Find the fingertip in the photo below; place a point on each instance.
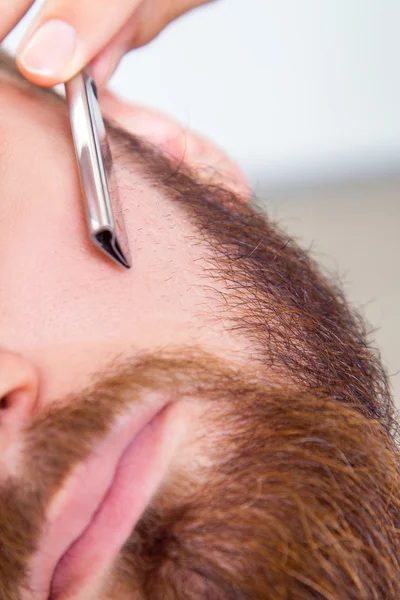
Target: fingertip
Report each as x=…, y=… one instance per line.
x=35, y=78
x=46, y=54
x=103, y=67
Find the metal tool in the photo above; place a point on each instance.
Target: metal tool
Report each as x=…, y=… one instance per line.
x=100, y=192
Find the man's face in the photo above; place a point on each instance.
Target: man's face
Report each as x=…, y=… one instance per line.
x=68, y=309
x=155, y=431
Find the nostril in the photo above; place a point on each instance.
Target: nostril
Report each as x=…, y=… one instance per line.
x=8, y=400
x=19, y=386
x=14, y=401
x=14, y=412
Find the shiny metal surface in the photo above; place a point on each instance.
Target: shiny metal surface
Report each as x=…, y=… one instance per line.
x=100, y=192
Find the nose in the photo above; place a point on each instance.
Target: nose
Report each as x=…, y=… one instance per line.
x=19, y=384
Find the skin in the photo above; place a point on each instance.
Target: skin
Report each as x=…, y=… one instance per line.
x=225, y=323
x=119, y=27
x=83, y=311
x=238, y=474
x=97, y=310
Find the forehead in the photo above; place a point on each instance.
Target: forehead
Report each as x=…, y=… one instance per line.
x=36, y=154
x=30, y=120
x=62, y=304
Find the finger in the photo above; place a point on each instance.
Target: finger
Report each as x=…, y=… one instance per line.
x=154, y=15
x=137, y=31
x=11, y=14
x=148, y=20
x=67, y=34
x=104, y=64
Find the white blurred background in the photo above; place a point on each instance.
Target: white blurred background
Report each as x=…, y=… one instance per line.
x=305, y=95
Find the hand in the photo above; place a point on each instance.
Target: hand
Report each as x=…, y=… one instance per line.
x=78, y=32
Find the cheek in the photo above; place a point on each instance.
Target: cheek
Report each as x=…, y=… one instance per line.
x=64, y=305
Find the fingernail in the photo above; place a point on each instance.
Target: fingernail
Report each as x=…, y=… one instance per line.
x=50, y=49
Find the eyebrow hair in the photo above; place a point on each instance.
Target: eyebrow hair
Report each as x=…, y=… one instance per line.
x=155, y=165
x=299, y=323
x=300, y=326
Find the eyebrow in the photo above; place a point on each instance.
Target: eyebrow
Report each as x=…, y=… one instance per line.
x=275, y=293
x=154, y=165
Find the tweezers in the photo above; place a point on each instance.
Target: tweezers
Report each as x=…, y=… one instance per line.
x=100, y=192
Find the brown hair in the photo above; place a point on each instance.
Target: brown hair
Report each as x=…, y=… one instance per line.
x=303, y=497
x=302, y=502
x=306, y=502
x=300, y=323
